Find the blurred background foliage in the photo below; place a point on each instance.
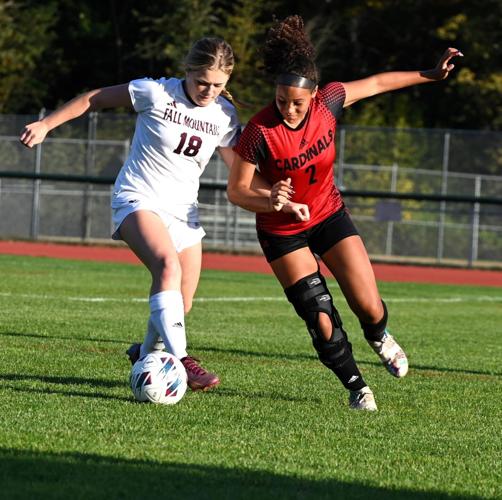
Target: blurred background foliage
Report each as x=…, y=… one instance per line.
x=53, y=50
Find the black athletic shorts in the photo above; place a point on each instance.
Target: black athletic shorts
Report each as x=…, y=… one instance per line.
x=319, y=238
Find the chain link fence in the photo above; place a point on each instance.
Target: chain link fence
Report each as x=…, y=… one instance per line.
x=414, y=161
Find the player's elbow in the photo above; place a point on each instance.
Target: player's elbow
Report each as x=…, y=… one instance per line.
x=233, y=193
x=237, y=193
x=94, y=99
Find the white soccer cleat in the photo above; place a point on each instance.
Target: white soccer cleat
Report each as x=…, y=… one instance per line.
x=363, y=399
x=391, y=355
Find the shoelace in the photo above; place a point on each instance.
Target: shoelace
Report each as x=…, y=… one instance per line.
x=191, y=364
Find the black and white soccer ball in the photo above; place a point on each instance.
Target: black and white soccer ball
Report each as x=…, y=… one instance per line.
x=159, y=377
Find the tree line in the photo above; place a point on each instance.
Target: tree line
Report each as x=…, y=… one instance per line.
x=53, y=50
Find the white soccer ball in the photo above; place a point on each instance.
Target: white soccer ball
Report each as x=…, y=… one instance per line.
x=158, y=377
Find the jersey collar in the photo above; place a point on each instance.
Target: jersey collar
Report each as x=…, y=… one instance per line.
x=187, y=95
x=299, y=126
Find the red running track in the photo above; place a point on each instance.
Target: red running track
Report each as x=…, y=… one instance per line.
x=256, y=264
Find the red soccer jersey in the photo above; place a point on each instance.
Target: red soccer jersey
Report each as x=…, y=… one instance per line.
x=306, y=154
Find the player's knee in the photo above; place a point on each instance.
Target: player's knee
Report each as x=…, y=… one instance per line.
x=313, y=303
x=167, y=271
x=369, y=310
x=375, y=327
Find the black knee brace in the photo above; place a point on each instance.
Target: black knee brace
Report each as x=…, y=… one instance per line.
x=375, y=331
x=310, y=297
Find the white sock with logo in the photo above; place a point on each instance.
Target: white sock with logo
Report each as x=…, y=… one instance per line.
x=168, y=319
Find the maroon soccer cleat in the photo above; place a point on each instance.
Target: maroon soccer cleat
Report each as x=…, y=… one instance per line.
x=198, y=378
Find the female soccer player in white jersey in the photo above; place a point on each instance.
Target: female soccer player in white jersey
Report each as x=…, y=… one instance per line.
x=180, y=123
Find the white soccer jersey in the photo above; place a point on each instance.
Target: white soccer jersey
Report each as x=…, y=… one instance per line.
x=172, y=144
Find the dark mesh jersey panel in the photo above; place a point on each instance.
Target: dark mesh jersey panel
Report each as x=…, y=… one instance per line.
x=333, y=95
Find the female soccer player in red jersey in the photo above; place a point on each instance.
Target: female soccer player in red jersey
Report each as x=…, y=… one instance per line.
x=292, y=141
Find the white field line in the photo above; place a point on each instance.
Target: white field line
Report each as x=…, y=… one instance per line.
x=445, y=300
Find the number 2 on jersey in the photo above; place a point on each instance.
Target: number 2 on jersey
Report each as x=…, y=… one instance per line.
x=311, y=168
x=194, y=144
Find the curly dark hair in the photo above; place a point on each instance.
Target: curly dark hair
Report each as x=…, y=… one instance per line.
x=288, y=49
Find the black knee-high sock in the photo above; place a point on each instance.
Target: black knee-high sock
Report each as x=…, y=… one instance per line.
x=336, y=354
x=376, y=331
x=349, y=375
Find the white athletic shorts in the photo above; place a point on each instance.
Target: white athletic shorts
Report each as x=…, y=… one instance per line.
x=183, y=234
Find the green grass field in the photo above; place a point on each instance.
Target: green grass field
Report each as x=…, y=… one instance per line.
x=278, y=426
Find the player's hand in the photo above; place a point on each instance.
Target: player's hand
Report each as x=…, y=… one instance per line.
x=281, y=193
x=444, y=66
x=33, y=134
x=299, y=210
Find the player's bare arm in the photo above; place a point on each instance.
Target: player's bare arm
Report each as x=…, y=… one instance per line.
x=108, y=97
x=258, y=183
x=239, y=188
x=393, y=80
x=241, y=192
x=227, y=155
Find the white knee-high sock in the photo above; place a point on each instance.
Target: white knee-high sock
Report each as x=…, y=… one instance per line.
x=168, y=318
x=152, y=341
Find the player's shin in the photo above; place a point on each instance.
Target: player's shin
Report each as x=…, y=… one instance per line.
x=311, y=298
x=168, y=319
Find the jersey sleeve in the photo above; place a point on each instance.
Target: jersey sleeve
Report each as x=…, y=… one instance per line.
x=233, y=133
x=144, y=92
x=250, y=143
x=333, y=95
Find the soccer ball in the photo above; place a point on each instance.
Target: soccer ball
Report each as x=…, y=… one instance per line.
x=158, y=377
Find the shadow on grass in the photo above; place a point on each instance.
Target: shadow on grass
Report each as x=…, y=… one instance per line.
x=81, y=394
x=61, y=337
x=64, y=381
x=93, y=383
x=270, y=355
x=26, y=474
x=305, y=357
